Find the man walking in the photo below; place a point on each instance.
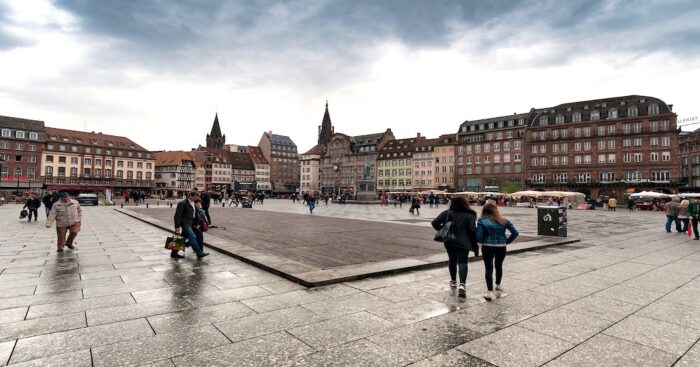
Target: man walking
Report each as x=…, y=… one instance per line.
x=206, y=202
x=49, y=199
x=672, y=214
x=32, y=205
x=67, y=214
x=693, y=214
x=184, y=220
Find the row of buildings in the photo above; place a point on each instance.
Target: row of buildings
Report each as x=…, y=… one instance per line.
x=602, y=147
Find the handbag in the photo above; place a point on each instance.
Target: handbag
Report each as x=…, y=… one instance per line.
x=23, y=214
x=175, y=243
x=446, y=233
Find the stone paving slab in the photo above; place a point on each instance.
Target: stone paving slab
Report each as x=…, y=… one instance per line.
x=327, y=250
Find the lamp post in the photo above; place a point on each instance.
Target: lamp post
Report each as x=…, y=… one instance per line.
x=2, y=159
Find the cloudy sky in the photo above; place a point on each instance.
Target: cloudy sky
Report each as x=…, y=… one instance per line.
x=158, y=70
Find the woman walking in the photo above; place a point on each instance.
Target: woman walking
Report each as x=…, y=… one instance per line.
x=463, y=220
x=491, y=232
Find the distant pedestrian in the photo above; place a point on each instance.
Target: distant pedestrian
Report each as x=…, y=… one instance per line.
x=672, y=214
x=630, y=204
x=311, y=202
x=683, y=215
x=32, y=205
x=184, y=218
x=612, y=204
x=694, y=214
x=415, y=206
x=491, y=232
x=206, y=203
x=48, y=200
x=463, y=220
x=326, y=198
x=68, y=215
x=200, y=224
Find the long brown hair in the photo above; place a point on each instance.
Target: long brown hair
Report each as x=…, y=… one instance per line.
x=491, y=210
x=460, y=204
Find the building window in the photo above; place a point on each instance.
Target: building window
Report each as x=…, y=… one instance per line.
x=49, y=159
x=34, y=136
x=543, y=120
x=660, y=176
x=576, y=117
x=6, y=133
x=48, y=171
x=607, y=176
x=654, y=157
x=560, y=119
x=74, y=172
x=612, y=113
x=19, y=134
x=632, y=111
x=653, y=109
x=595, y=115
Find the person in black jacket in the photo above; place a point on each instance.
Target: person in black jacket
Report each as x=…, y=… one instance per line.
x=206, y=202
x=463, y=220
x=49, y=199
x=32, y=205
x=184, y=221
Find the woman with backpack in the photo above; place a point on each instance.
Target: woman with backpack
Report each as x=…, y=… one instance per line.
x=491, y=232
x=463, y=220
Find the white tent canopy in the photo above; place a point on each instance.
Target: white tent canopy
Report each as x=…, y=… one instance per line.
x=650, y=195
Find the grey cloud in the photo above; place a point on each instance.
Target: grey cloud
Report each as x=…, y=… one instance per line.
x=322, y=43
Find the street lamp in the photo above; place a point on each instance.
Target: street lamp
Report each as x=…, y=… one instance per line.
x=2, y=159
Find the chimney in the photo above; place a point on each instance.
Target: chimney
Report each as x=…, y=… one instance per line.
x=418, y=135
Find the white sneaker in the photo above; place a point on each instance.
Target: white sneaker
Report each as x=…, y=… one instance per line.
x=453, y=284
x=489, y=296
x=498, y=287
x=462, y=290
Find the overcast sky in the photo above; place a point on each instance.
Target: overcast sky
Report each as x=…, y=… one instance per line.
x=157, y=71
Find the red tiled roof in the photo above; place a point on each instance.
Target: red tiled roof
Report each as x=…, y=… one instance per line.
x=91, y=139
x=317, y=150
x=174, y=158
x=256, y=155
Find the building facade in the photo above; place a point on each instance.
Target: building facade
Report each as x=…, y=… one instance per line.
x=282, y=154
x=604, y=147
x=262, y=168
x=21, y=145
x=242, y=172
x=175, y=173
x=343, y=162
x=310, y=162
x=423, y=165
x=395, y=165
x=489, y=154
x=78, y=161
x=689, y=152
x=444, y=154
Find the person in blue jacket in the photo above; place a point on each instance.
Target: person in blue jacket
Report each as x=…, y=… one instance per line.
x=491, y=232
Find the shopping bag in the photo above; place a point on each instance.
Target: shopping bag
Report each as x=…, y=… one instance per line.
x=175, y=243
x=23, y=214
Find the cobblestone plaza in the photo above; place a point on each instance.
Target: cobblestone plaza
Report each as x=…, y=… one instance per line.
x=627, y=294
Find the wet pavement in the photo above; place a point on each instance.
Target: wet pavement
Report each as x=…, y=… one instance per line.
x=627, y=295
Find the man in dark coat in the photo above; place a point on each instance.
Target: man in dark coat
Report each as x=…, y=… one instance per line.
x=49, y=199
x=206, y=202
x=32, y=205
x=184, y=220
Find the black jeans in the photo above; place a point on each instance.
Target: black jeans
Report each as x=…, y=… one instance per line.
x=33, y=212
x=457, y=257
x=493, y=254
x=695, y=227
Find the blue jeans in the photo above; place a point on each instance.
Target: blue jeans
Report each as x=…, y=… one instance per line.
x=195, y=237
x=312, y=205
x=670, y=219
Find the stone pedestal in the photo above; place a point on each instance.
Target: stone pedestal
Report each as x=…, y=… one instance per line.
x=366, y=190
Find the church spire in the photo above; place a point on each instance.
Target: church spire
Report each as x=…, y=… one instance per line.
x=326, y=129
x=215, y=139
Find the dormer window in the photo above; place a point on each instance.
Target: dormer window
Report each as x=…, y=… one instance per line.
x=632, y=111
x=612, y=113
x=653, y=109
x=595, y=115
x=543, y=120
x=560, y=119
x=576, y=117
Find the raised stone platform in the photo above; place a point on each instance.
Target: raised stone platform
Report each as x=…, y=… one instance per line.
x=315, y=250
